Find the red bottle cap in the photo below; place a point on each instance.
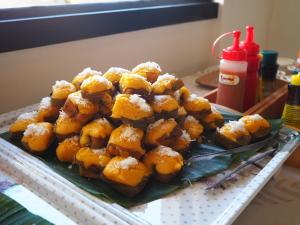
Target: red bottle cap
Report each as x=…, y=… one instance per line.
x=234, y=52
x=249, y=45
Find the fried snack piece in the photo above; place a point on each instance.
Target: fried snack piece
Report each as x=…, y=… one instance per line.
x=181, y=143
x=233, y=135
x=106, y=104
x=182, y=94
x=66, y=126
x=135, y=84
x=91, y=162
x=96, y=133
x=60, y=91
x=197, y=106
x=257, y=126
x=212, y=120
x=83, y=75
x=126, y=175
x=164, y=106
x=162, y=132
x=164, y=163
x=17, y=128
x=182, y=113
x=80, y=108
x=166, y=85
x=47, y=112
x=126, y=141
x=149, y=70
x=67, y=149
x=114, y=75
x=193, y=127
x=94, y=87
x=132, y=110
x=38, y=137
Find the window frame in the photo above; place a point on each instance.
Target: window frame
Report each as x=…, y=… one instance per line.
x=29, y=27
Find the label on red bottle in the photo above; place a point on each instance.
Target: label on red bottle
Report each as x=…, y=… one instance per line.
x=229, y=79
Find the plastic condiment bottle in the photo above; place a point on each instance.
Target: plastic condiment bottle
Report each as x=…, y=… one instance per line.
x=298, y=61
x=233, y=70
x=259, y=95
x=269, y=69
x=291, y=112
x=252, y=50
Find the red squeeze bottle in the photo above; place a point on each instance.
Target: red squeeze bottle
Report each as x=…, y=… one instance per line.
x=252, y=50
x=233, y=69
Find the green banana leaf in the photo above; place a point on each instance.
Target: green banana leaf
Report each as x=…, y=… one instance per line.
x=12, y=212
x=153, y=190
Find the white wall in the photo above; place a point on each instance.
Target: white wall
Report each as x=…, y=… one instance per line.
x=284, y=32
x=27, y=75
x=237, y=14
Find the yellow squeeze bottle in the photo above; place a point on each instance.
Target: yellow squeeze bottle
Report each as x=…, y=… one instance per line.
x=291, y=112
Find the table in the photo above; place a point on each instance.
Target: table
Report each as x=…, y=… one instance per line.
x=192, y=205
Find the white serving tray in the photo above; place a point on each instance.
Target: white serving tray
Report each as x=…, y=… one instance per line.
x=192, y=205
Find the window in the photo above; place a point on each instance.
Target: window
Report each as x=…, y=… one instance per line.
x=28, y=27
x=29, y=3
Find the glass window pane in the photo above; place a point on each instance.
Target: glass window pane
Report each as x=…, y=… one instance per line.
x=26, y=3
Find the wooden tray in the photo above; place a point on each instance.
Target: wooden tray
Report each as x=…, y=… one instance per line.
x=209, y=79
x=270, y=107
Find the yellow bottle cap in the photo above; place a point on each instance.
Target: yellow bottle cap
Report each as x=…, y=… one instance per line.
x=295, y=80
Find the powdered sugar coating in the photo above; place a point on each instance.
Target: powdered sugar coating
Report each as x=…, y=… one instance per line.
x=77, y=99
x=87, y=71
x=177, y=95
x=191, y=119
x=185, y=135
x=101, y=79
x=35, y=129
x=160, y=99
x=74, y=139
x=62, y=84
x=28, y=115
x=140, y=102
x=194, y=97
x=127, y=163
x=117, y=70
x=147, y=65
x=165, y=77
x=99, y=151
x=155, y=124
x=102, y=121
x=98, y=79
x=63, y=115
x=45, y=103
x=166, y=151
x=129, y=134
x=256, y=117
x=236, y=126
